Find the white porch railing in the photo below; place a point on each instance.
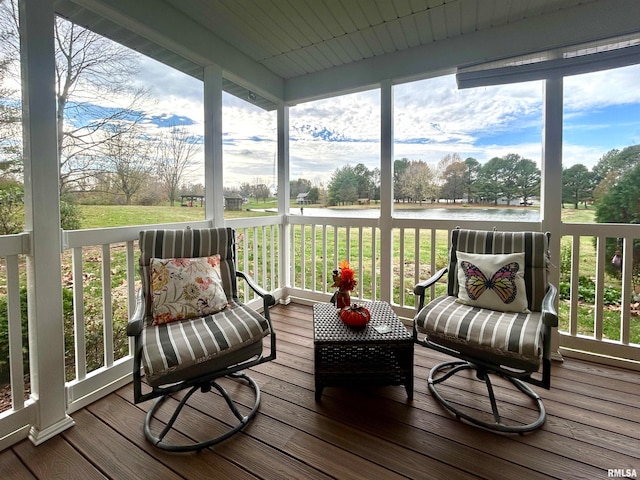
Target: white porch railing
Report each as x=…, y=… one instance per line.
x=608, y=333
x=294, y=257
x=14, y=421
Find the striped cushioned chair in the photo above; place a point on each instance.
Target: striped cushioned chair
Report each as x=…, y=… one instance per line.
x=511, y=345
x=193, y=353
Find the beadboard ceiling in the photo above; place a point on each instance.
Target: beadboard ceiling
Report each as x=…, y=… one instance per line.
x=292, y=50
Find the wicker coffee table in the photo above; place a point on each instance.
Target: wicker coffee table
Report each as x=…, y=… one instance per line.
x=346, y=356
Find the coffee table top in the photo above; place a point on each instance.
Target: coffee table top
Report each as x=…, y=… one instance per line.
x=327, y=326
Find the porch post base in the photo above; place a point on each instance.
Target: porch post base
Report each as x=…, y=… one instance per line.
x=39, y=436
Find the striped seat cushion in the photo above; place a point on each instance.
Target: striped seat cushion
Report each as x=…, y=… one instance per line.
x=505, y=338
x=189, y=348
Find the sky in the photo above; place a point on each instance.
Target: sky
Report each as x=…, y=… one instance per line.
x=432, y=119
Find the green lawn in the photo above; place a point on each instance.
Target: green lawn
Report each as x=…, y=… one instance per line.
x=105, y=216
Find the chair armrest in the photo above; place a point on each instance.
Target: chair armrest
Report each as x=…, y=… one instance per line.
x=549, y=314
x=268, y=299
x=136, y=322
x=421, y=287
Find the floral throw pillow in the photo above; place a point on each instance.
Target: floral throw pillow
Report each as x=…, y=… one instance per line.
x=183, y=288
x=493, y=281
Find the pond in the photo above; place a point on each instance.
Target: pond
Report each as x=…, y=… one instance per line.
x=497, y=214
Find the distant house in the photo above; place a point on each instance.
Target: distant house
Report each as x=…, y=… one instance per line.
x=233, y=201
x=301, y=199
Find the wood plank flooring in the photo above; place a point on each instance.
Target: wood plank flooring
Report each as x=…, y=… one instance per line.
x=593, y=425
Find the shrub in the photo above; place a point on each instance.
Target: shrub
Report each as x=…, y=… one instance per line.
x=11, y=209
x=4, y=335
x=587, y=291
x=70, y=216
x=67, y=305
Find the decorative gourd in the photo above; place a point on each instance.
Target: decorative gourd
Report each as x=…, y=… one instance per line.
x=355, y=316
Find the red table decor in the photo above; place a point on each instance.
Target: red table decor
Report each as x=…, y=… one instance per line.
x=344, y=280
x=355, y=316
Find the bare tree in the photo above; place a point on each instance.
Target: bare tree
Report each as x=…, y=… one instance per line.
x=89, y=68
x=443, y=164
x=176, y=150
x=261, y=191
x=10, y=138
x=9, y=128
x=127, y=157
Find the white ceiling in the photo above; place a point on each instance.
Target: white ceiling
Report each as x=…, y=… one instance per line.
x=294, y=50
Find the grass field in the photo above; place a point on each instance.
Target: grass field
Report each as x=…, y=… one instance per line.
x=104, y=216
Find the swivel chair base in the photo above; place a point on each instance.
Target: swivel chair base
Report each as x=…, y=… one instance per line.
x=482, y=374
x=243, y=420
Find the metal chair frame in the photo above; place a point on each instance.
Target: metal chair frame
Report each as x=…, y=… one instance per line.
x=483, y=369
x=203, y=383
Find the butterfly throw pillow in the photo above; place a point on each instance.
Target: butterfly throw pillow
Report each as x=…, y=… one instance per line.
x=492, y=281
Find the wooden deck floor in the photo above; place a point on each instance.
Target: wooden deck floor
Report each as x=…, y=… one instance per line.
x=593, y=425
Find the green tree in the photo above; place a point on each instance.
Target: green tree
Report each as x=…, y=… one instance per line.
x=365, y=180
x=527, y=179
x=70, y=216
x=343, y=186
x=577, y=184
x=454, y=181
x=509, y=173
x=492, y=180
x=617, y=162
x=621, y=204
x=11, y=208
x=314, y=195
x=611, y=166
x=399, y=167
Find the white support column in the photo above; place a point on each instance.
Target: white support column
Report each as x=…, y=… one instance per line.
x=284, y=202
x=551, y=188
x=213, y=166
x=386, y=190
x=42, y=220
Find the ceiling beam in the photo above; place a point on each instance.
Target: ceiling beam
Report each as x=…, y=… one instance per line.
x=585, y=22
x=162, y=24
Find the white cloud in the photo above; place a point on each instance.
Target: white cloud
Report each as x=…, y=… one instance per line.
x=587, y=92
x=432, y=119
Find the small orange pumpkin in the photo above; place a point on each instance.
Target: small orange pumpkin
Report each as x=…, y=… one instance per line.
x=355, y=316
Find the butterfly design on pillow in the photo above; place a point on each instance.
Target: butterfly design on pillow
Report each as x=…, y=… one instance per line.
x=501, y=282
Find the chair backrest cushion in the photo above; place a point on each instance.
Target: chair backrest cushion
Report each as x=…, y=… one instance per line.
x=188, y=243
x=535, y=246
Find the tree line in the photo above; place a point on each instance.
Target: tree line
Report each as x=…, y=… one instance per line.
x=500, y=180
x=581, y=185
x=613, y=186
